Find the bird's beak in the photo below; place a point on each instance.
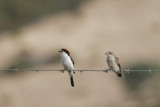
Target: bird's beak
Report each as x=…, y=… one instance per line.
x=60, y=51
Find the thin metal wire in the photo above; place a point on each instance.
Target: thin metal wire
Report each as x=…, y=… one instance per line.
x=61, y=70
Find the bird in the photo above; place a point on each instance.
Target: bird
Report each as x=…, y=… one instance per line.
x=68, y=63
x=113, y=63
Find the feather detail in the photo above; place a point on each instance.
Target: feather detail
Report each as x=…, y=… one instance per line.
x=117, y=62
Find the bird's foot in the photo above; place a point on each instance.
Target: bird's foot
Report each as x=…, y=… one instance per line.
x=107, y=70
x=62, y=70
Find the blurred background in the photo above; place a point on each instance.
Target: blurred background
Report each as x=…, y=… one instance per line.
x=32, y=32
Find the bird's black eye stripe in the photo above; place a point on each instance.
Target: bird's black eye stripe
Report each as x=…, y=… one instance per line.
x=64, y=50
x=110, y=53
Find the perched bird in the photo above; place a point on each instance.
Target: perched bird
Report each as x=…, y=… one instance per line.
x=113, y=63
x=67, y=63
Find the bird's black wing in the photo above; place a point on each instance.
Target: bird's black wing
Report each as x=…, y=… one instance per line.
x=117, y=62
x=72, y=60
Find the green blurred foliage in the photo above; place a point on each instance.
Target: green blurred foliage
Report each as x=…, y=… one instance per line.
x=134, y=79
x=20, y=64
x=24, y=61
x=16, y=13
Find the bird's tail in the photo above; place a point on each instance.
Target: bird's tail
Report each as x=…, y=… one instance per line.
x=71, y=77
x=72, y=81
x=119, y=74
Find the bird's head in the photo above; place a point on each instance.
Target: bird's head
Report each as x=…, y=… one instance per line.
x=108, y=53
x=65, y=51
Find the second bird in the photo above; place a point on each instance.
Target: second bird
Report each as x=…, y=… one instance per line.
x=67, y=63
x=113, y=63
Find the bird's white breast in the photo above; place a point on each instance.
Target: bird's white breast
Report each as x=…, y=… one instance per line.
x=112, y=63
x=66, y=61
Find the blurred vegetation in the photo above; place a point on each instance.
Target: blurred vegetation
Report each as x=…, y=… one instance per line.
x=134, y=79
x=22, y=62
x=17, y=13
x=25, y=61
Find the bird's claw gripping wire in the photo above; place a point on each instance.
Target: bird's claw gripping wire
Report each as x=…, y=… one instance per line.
x=62, y=71
x=107, y=70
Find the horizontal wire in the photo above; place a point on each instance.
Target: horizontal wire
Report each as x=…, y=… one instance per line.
x=61, y=70
x=46, y=70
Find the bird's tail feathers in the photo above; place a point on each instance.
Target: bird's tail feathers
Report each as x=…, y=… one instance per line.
x=119, y=74
x=71, y=77
x=72, y=81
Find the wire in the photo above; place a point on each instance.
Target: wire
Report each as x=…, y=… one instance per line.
x=61, y=70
